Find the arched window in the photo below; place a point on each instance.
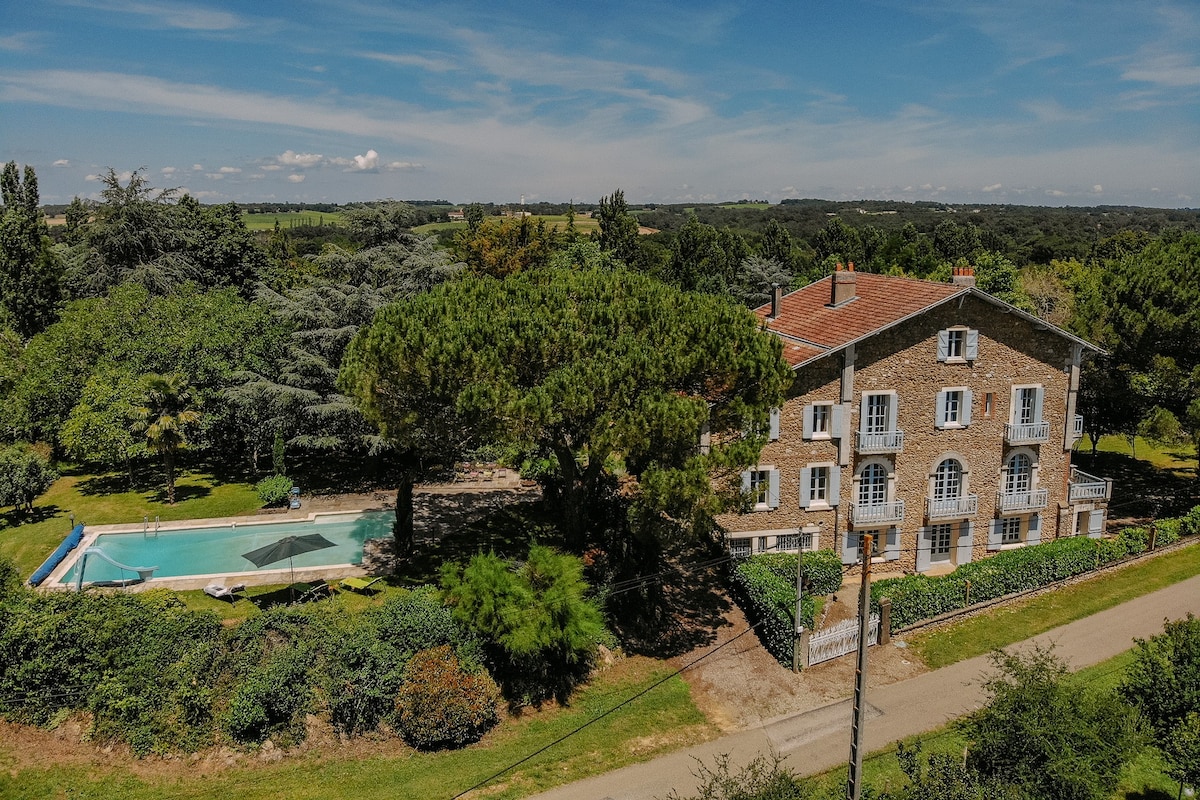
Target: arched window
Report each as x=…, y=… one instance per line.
x=872, y=485
x=948, y=480
x=1019, y=477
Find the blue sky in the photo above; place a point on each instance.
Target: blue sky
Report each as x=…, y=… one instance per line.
x=1038, y=103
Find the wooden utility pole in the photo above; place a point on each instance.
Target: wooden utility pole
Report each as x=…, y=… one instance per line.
x=854, y=784
x=798, y=637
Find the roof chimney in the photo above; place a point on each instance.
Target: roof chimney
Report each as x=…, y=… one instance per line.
x=963, y=276
x=842, y=286
x=776, y=300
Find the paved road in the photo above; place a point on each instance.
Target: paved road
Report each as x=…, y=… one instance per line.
x=817, y=740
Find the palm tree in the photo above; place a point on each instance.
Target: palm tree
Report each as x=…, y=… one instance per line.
x=164, y=418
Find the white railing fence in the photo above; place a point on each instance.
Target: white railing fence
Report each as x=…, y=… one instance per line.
x=839, y=639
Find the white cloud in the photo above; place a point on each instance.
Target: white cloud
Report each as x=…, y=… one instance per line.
x=1097, y=188
x=230, y=170
x=995, y=187
x=197, y=167
x=17, y=42
x=410, y=60
x=403, y=166
x=168, y=170
x=62, y=162
x=370, y=161
x=271, y=167
x=290, y=158
x=213, y=176
x=296, y=178
x=170, y=15
x=1056, y=193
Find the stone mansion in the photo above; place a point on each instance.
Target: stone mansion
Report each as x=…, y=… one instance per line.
x=933, y=416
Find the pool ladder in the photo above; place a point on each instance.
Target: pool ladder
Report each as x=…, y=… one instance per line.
x=146, y=527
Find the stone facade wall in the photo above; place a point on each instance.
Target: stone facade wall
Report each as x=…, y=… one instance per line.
x=903, y=359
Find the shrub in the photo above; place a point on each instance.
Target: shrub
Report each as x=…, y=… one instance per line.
x=766, y=585
x=274, y=490
x=1168, y=531
x=443, y=705
x=1190, y=522
x=271, y=700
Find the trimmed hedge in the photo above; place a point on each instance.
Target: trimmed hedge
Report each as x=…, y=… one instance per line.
x=918, y=597
x=766, y=586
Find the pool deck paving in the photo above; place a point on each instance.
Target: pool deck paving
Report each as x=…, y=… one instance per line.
x=818, y=739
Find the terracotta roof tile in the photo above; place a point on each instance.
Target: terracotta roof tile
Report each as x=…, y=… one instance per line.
x=809, y=326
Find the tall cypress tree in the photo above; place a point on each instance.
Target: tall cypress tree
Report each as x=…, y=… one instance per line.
x=30, y=273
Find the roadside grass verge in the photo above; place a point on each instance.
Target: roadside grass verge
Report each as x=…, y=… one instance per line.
x=663, y=720
x=1144, y=778
x=107, y=499
x=1017, y=621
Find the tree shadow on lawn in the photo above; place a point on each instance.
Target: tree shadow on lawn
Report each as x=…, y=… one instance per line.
x=183, y=492
x=108, y=483
x=1139, y=488
x=16, y=517
x=1149, y=794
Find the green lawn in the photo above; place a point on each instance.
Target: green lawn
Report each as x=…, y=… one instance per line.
x=287, y=219
x=662, y=720
x=107, y=499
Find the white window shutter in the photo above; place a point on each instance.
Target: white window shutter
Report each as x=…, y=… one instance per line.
x=850, y=548
x=746, y=480
x=964, y=413
x=891, y=551
x=1037, y=404
x=838, y=427
x=773, y=488
x=893, y=412
x=862, y=413
x=939, y=419
x=774, y=430
x=1035, y=530
x=807, y=429
x=971, y=349
x=805, y=487
x=924, y=546
x=1096, y=523
x=835, y=485
x=966, y=543
x=943, y=345
x=994, y=540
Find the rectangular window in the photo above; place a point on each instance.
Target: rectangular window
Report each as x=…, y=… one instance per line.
x=762, y=544
x=877, y=543
x=877, y=414
x=788, y=542
x=1026, y=405
x=939, y=541
x=760, y=483
x=989, y=402
x=953, y=412
x=818, y=485
x=821, y=421
x=806, y=540
x=739, y=548
x=1010, y=530
x=954, y=343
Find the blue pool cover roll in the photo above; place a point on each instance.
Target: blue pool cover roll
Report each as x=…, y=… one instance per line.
x=70, y=543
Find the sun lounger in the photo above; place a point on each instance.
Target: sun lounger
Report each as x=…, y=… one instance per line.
x=360, y=584
x=312, y=591
x=220, y=592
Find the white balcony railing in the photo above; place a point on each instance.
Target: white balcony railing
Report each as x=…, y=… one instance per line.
x=885, y=442
x=952, y=507
x=1033, y=500
x=862, y=514
x=1084, y=488
x=1028, y=433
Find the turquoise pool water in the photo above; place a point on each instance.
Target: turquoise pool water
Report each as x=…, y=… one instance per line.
x=217, y=551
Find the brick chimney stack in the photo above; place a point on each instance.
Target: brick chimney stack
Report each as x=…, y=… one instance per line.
x=843, y=287
x=963, y=276
x=776, y=301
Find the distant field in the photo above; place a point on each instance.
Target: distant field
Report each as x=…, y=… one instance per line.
x=755, y=206
x=290, y=219
x=557, y=221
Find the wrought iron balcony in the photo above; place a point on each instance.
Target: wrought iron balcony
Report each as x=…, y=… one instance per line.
x=866, y=514
x=1027, y=433
x=1084, y=488
x=1015, y=502
x=885, y=442
x=952, y=507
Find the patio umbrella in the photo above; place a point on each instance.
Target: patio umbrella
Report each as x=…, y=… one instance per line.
x=287, y=547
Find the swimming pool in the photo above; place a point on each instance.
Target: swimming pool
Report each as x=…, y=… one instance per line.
x=205, y=550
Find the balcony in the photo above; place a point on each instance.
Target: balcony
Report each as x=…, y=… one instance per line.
x=1027, y=433
x=1016, y=502
x=864, y=515
x=952, y=507
x=1084, y=488
x=884, y=442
